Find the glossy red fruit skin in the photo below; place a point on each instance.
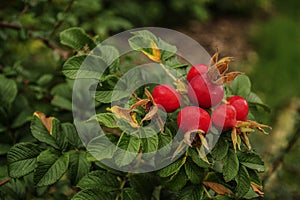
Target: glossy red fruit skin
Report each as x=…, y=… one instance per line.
x=166, y=97
x=193, y=118
x=224, y=117
x=196, y=70
x=241, y=106
x=203, y=92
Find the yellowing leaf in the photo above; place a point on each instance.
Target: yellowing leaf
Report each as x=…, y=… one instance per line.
x=155, y=55
x=124, y=114
x=218, y=188
x=47, y=121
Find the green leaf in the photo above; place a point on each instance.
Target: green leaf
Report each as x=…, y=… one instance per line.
x=174, y=63
x=231, y=166
x=222, y=197
x=22, y=159
x=164, y=142
x=177, y=181
x=110, y=55
x=62, y=102
x=150, y=140
x=71, y=134
x=44, y=79
x=220, y=149
x=106, y=119
x=8, y=91
x=128, y=149
x=243, y=182
x=92, y=194
x=196, y=158
x=194, y=172
x=139, y=181
x=57, y=134
x=50, y=168
x=167, y=50
x=172, y=168
x=101, y=147
x=14, y=190
x=4, y=148
x=130, y=194
x=40, y=132
x=103, y=180
x=79, y=165
x=252, y=97
x=76, y=38
x=191, y=193
x=252, y=161
x=84, y=66
x=241, y=86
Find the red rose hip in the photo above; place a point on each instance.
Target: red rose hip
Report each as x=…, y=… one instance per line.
x=193, y=118
x=224, y=117
x=166, y=97
x=205, y=93
x=196, y=70
x=241, y=106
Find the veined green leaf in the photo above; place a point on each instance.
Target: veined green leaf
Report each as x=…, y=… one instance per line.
x=77, y=39
x=128, y=148
x=92, y=194
x=50, y=167
x=231, y=166
x=130, y=194
x=8, y=91
x=172, y=168
x=79, y=165
x=22, y=159
x=243, y=182
x=103, y=180
x=191, y=193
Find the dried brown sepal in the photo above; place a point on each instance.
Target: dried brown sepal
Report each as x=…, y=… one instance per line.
x=227, y=78
x=245, y=138
x=182, y=145
x=250, y=126
x=257, y=188
x=141, y=102
x=203, y=140
x=202, y=154
x=217, y=70
x=234, y=138
x=153, y=111
x=217, y=187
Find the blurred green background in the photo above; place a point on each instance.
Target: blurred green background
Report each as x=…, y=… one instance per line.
x=263, y=35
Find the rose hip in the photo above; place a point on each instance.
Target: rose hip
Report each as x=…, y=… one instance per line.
x=166, y=97
x=193, y=118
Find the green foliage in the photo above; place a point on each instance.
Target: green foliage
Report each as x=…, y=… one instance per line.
x=44, y=158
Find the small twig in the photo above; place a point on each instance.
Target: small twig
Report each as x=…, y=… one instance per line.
x=11, y=26
x=24, y=10
x=64, y=54
x=4, y=181
x=279, y=160
x=60, y=22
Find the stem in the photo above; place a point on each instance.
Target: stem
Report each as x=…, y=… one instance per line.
x=279, y=160
x=60, y=22
x=4, y=181
x=168, y=72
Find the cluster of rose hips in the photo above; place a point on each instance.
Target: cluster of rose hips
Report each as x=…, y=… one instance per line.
x=206, y=97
